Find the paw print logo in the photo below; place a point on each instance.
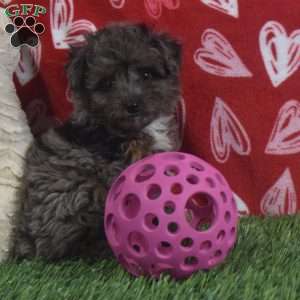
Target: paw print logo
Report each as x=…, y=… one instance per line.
x=25, y=31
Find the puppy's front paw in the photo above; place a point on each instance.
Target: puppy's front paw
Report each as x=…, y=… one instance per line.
x=138, y=148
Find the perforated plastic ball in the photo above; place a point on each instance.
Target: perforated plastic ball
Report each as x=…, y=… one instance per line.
x=170, y=212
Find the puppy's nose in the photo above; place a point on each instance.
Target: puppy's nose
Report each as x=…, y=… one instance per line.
x=133, y=108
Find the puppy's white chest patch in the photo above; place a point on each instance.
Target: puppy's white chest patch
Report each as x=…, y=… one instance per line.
x=159, y=130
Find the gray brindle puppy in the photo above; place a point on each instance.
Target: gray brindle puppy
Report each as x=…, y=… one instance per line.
x=125, y=85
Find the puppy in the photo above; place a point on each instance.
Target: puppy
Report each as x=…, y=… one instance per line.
x=125, y=85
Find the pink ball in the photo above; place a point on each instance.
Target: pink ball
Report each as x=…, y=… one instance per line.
x=170, y=212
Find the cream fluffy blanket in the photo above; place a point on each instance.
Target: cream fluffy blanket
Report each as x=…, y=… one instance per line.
x=15, y=138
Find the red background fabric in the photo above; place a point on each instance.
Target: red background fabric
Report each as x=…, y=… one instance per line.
x=240, y=82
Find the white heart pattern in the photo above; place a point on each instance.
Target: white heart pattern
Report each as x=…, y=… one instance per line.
x=242, y=207
x=281, y=198
x=5, y=2
x=229, y=7
x=29, y=64
x=227, y=132
x=154, y=7
x=285, y=136
x=280, y=52
x=217, y=56
x=117, y=3
x=65, y=31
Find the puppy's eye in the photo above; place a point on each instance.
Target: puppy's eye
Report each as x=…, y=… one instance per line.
x=148, y=73
x=105, y=84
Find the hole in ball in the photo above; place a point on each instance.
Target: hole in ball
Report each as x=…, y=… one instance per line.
x=197, y=166
x=169, y=207
x=151, y=221
x=187, y=242
x=221, y=235
x=145, y=173
x=206, y=245
x=176, y=189
x=164, y=248
x=227, y=217
x=200, y=211
x=131, y=206
x=192, y=179
x=173, y=227
x=137, y=243
x=191, y=261
x=154, y=191
x=171, y=171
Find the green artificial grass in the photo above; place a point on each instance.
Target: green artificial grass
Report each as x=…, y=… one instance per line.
x=264, y=265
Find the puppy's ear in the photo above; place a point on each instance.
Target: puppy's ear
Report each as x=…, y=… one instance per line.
x=170, y=49
x=76, y=68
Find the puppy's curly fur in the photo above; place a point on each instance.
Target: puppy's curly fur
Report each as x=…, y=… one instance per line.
x=125, y=84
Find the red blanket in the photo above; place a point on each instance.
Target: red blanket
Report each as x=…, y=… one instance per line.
x=240, y=83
